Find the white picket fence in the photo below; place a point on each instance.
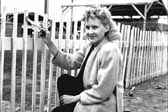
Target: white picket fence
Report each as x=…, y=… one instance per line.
x=28, y=78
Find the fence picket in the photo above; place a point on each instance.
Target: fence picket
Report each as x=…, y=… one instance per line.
x=43, y=70
x=34, y=74
x=51, y=71
x=128, y=74
x=24, y=63
x=3, y=23
x=13, y=71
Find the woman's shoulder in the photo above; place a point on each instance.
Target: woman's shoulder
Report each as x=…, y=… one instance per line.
x=111, y=49
x=110, y=46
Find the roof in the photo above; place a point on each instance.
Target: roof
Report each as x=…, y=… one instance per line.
x=125, y=8
x=155, y=7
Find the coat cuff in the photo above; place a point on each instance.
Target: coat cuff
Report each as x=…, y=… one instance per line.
x=55, y=56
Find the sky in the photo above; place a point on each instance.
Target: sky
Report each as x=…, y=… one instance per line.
x=30, y=5
x=55, y=9
x=38, y=6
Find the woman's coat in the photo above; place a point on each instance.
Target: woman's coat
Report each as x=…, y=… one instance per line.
x=100, y=77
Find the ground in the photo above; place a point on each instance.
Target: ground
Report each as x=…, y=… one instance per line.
x=150, y=96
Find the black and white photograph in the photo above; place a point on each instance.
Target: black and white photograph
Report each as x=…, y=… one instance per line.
x=83, y=55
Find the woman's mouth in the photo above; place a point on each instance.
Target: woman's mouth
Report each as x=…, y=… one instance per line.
x=91, y=36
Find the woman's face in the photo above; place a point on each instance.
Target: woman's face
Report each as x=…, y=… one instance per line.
x=95, y=30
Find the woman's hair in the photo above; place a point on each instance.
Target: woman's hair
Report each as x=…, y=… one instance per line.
x=104, y=16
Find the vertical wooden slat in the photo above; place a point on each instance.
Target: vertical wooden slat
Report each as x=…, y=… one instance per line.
x=128, y=41
x=43, y=71
x=135, y=57
x=151, y=54
x=150, y=63
x=155, y=54
x=125, y=31
x=160, y=53
x=138, y=55
x=148, y=51
x=157, y=61
x=13, y=74
x=124, y=45
x=142, y=55
x=165, y=51
x=3, y=22
x=133, y=67
x=145, y=56
x=128, y=76
x=35, y=36
x=51, y=70
x=24, y=63
x=148, y=55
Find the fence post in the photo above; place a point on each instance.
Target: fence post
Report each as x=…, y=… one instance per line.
x=51, y=70
x=43, y=70
x=24, y=63
x=128, y=74
x=13, y=71
x=34, y=74
x=3, y=23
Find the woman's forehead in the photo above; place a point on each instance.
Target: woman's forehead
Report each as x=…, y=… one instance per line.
x=93, y=21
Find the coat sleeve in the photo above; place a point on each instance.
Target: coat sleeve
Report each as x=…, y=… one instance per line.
x=69, y=61
x=109, y=64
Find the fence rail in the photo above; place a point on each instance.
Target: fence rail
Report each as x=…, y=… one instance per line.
x=28, y=78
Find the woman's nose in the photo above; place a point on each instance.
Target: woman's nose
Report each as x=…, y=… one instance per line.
x=90, y=31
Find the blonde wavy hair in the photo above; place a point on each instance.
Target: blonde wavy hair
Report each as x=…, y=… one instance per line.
x=103, y=14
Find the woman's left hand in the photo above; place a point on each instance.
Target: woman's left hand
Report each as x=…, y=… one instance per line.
x=66, y=99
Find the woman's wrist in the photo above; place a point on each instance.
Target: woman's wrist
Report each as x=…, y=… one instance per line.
x=77, y=97
x=47, y=41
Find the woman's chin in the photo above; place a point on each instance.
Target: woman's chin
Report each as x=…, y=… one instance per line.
x=92, y=40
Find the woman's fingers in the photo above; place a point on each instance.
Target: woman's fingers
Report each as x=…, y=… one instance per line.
x=61, y=100
x=42, y=33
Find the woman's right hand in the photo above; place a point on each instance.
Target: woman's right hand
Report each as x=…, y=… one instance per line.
x=42, y=34
x=45, y=36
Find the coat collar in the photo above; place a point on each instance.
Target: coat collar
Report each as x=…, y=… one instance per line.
x=99, y=45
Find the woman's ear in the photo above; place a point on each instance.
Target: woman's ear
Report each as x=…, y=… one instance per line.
x=107, y=28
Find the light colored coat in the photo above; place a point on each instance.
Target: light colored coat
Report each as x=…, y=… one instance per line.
x=100, y=78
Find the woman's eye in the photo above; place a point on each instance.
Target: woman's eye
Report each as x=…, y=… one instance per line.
x=94, y=27
x=87, y=27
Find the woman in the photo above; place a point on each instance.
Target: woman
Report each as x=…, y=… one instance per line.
x=93, y=89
